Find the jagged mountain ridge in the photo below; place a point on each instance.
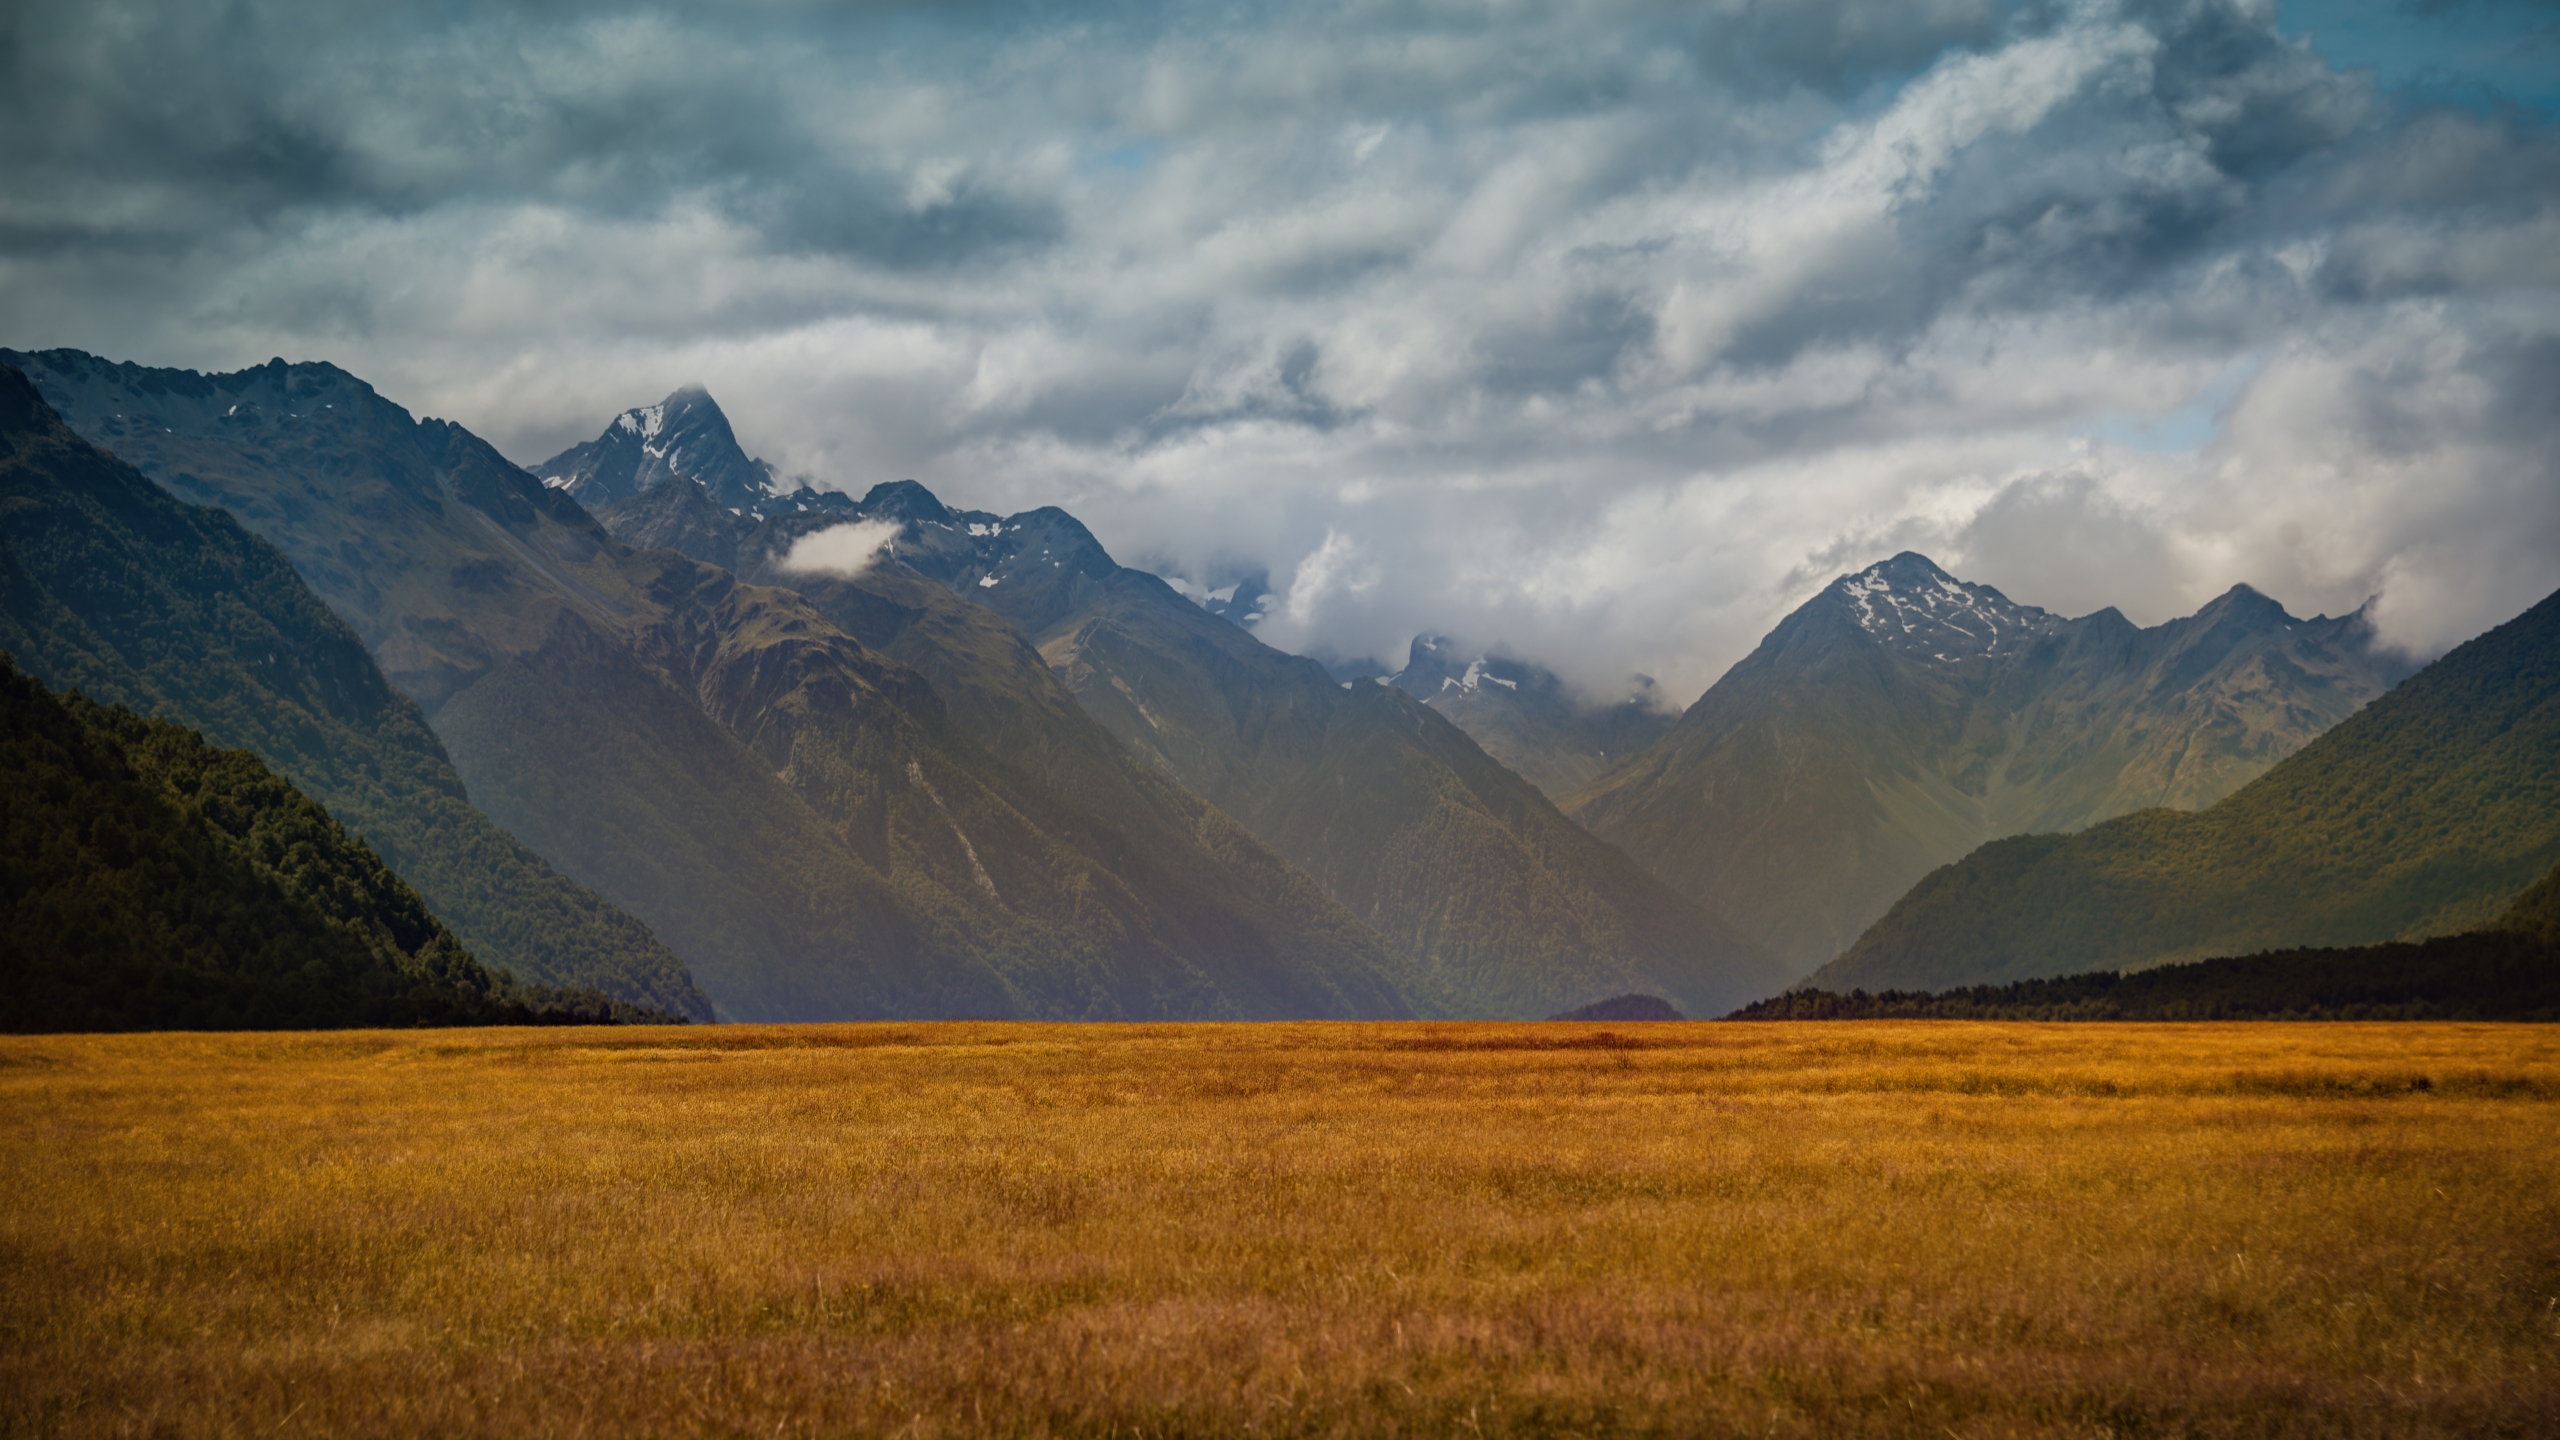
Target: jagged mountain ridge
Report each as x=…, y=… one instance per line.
x=2424, y=814
x=1510, y=909
x=791, y=810
x=1525, y=716
x=176, y=612
x=1902, y=717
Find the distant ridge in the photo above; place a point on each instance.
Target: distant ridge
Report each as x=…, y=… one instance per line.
x=1524, y=716
x=1624, y=1007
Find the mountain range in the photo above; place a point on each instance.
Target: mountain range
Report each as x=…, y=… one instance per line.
x=1902, y=717
x=1500, y=904
x=646, y=719
x=791, y=811
x=2424, y=814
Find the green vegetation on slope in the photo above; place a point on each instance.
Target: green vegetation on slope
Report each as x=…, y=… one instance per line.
x=2480, y=975
x=110, y=585
x=149, y=881
x=2420, y=815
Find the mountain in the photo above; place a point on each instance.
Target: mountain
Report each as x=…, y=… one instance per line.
x=1901, y=718
x=684, y=434
x=109, y=584
x=795, y=813
x=1243, y=601
x=2420, y=815
x=1525, y=717
x=996, y=687
x=1508, y=908
x=149, y=881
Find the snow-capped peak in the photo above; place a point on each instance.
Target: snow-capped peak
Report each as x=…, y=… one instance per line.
x=1913, y=606
x=645, y=421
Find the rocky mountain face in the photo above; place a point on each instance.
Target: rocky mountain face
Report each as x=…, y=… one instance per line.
x=1524, y=716
x=176, y=612
x=796, y=813
x=1507, y=908
x=2423, y=814
x=684, y=434
x=1902, y=717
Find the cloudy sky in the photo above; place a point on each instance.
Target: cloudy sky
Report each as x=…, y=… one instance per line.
x=1607, y=331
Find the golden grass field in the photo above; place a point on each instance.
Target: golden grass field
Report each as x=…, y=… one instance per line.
x=1784, y=1229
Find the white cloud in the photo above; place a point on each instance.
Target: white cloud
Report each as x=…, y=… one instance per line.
x=844, y=550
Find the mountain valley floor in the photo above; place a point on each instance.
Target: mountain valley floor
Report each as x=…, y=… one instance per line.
x=1796, y=1228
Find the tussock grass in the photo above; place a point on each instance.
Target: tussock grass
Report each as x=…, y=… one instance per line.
x=1791, y=1229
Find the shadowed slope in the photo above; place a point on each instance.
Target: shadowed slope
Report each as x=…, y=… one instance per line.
x=174, y=611
x=149, y=881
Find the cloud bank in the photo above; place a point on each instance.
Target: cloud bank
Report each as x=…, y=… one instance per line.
x=1607, y=330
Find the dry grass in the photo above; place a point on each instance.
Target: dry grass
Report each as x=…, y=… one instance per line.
x=1766, y=1229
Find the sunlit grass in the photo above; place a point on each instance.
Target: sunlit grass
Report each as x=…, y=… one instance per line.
x=1772, y=1229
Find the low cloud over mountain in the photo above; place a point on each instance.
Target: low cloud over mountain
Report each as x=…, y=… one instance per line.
x=1610, y=331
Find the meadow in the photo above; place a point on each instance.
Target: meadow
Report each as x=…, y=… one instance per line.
x=1788, y=1229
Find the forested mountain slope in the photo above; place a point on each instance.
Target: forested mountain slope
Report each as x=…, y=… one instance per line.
x=2506, y=970
x=1901, y=718
x=1509, y=908
x=792, y=811
x=2423, y=814
x=110, y=585
x=149, y=881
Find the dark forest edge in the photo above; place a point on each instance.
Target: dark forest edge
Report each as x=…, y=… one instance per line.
x=2483, y=975
x=152, y=881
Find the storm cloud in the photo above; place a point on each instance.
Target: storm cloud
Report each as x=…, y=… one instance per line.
x=1603, y=331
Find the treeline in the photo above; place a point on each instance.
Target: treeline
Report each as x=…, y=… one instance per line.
x=150, y=881
x=2485, y=975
